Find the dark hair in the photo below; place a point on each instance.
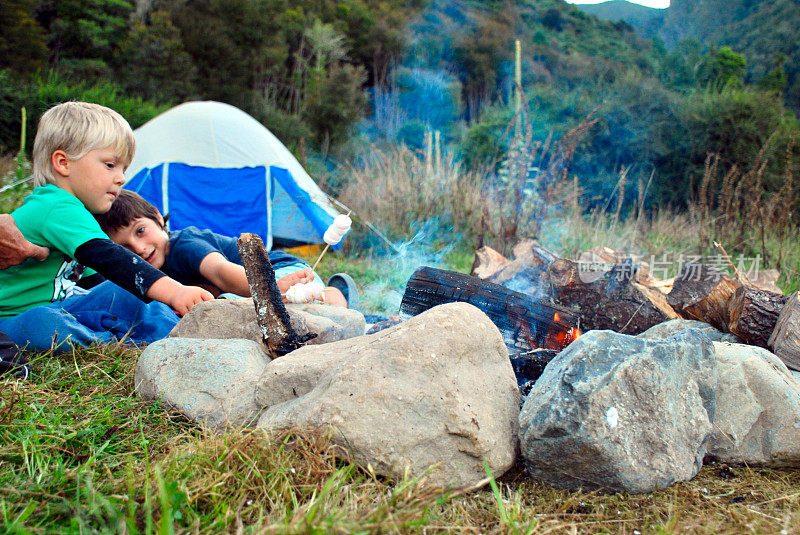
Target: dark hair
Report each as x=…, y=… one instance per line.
x=127, y=207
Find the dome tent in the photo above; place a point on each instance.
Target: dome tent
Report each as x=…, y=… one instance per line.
x=211, y=165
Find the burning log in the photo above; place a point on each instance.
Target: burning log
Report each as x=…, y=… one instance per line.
x=785, y=338
x=754, y=313
x=607, y=299
x=271, y=314
x=703, y=293
x=529, y=366
x=525, y=323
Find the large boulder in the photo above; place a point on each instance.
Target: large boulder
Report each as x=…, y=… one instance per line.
x=236, y=318
x=210, y=381
x=670, y=328
x=758, y=409
x=434, y=391
x=620, y=413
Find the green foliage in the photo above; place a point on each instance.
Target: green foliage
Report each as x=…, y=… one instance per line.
x=22, y=43
x=722, y=69
x=42, y=92
x=734, y=123
x=151, y=61
x=82, y=35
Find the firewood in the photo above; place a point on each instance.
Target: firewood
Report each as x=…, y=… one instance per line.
x=754, y=313
x=271, y=314
x=528, y=268
x=525, y=323
x=487, y=262
x=701, y=292
x=610, y=256
x=785, y=338
x=534, y=253
x=607, y=299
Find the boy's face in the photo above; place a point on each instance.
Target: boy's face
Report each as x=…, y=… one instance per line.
x=95, y=179
x=145, y=237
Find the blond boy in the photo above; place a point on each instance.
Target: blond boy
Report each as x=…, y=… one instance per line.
x=80, y=154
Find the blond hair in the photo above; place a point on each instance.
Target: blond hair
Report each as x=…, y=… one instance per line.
x=77, y=128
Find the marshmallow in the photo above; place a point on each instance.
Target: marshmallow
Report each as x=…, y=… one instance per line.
x=342, y=223
x=340, y=226
x=331, y=237
x=306, y=293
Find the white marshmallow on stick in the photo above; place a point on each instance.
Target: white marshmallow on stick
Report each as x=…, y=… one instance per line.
x=306, y=292
x=340, y=226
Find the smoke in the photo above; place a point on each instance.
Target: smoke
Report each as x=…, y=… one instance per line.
x=397, y=265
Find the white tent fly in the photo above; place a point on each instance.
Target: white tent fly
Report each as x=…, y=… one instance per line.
x=210, y=165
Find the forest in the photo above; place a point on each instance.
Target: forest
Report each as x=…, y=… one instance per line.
x=336, y=79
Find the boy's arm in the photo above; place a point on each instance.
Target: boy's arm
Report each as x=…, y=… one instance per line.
x=225, y=275
x=129, y=271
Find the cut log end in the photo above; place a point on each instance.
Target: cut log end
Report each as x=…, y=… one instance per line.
x=754, y=314
x=701, y=292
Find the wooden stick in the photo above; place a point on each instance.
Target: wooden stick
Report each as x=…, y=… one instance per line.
x=273, y=319
x=320, y=256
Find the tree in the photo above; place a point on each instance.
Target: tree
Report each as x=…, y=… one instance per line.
x=234, y=44
x=83, y=34
x=723, y=69
x=151, y=61
x=22, y=46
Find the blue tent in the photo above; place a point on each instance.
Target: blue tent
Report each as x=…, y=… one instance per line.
x=210, y=165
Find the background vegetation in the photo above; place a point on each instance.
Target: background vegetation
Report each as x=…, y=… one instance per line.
x=653, y=146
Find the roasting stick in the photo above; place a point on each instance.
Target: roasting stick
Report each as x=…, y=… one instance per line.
x=328, y=245
x=320, y=257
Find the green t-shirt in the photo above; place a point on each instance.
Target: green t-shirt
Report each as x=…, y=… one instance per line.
x=56, y=219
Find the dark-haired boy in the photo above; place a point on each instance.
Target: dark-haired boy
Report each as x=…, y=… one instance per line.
x=197, y=256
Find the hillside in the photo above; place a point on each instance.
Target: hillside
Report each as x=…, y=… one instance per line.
x=646, y=20
x=761, y=30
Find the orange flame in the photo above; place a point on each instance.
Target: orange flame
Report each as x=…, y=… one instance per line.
x=556, y=317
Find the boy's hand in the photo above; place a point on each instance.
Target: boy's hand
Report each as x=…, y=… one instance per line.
x=185, y=297
x=303, y=276
x=181, y=298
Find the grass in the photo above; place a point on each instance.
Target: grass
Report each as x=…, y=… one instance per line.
x=79, y=453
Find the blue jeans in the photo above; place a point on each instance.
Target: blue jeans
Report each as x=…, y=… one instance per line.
x=106, y=313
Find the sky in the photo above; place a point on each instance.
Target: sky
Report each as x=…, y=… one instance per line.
x=648, y=3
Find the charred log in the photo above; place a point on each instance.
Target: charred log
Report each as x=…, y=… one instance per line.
x=607, y=299
x=754, y=314
x=703, y=293
x=271, y=314
x=785, y=338
x=529, y=366
x=525, y=323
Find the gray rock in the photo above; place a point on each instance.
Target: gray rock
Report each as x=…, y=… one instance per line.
x=620, y=413
x=758, y=409
x=236, y=318
x=670, y=328
x=211, y=381
x=434, y=391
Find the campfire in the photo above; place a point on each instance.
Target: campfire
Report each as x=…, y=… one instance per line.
x=525, y=324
